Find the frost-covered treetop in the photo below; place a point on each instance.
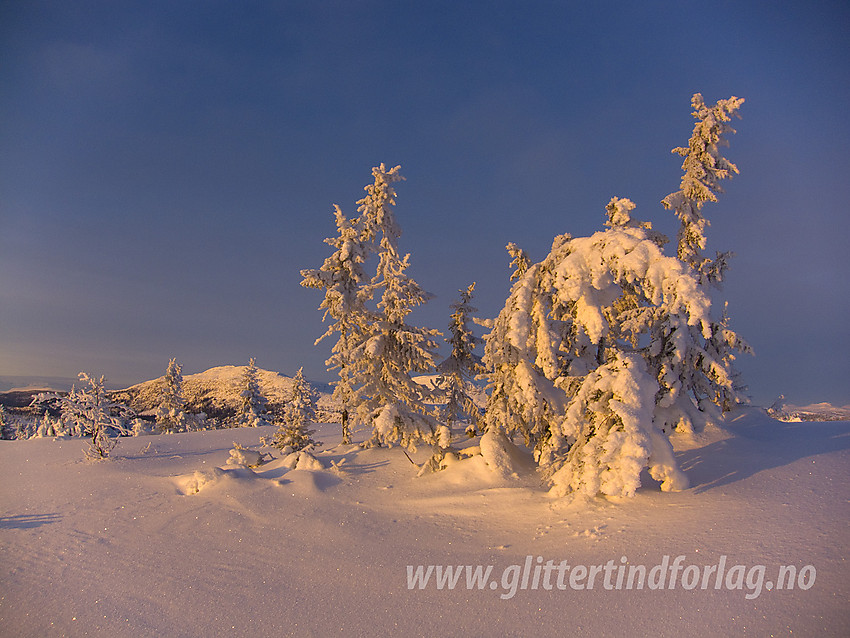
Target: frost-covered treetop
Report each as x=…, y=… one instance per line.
x=703, y=168
x=376, y=209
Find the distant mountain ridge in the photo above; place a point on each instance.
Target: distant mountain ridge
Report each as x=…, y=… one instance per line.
x=22, y=383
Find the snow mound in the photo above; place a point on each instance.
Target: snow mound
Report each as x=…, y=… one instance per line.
x=502, y=456
x=198, y=480
x=320, y=550
x=302, y=460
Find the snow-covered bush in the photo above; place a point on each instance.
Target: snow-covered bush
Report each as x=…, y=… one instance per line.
x=243, y=457
x=49, y=427
x=22, y=430
x=302, y=460
x=3, y=421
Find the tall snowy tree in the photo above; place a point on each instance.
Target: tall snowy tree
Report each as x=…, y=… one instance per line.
x=462, y=365
x=393, y=350
x=342, y=277
x=252, y=410
x=707, y=377
x=170, y=414
x=378, y=350
x=90, y=410
x=294, y=431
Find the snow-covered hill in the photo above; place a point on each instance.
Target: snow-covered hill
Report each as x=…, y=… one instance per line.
x=217, y=391
x=164, y=539
x=818, y=412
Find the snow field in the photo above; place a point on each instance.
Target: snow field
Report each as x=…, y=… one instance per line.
x=166, y=538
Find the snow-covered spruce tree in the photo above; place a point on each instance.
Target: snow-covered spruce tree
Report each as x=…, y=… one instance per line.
x=462, y=365
x=707, y=378
x=392, y=350
x=377, y=350
x=342, y=277
x=252, y=410
x=170, y=413
x=608, y=344
x=454, y=382
x=89, y=410
x=47, y=426
x=294, y=431
x=570, y=356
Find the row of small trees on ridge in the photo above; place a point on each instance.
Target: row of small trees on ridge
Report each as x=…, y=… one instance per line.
x=89, y=411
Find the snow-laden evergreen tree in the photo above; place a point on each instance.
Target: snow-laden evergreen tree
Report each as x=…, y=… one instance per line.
x=48, y=426
x=608, y=344
x=454, y=382
x=378, y=350
x=393, y=350
x=3, y=421
x=70, y=416
x=710, y=380
x=294, y=431
x=573, y=356
x=170, y=413
x=252, y=410
x=460, y=368
x=342, y=277
x=90, y=411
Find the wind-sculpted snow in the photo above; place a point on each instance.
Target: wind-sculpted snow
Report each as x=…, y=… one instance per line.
x=247, y=466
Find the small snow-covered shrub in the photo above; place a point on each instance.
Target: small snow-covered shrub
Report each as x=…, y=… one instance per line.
x=294, y=431
x=89, y=412
x=170, y=413
x=243, y=457
x=252, y=411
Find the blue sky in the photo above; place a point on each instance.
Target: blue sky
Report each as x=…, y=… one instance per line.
x=167, y=168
